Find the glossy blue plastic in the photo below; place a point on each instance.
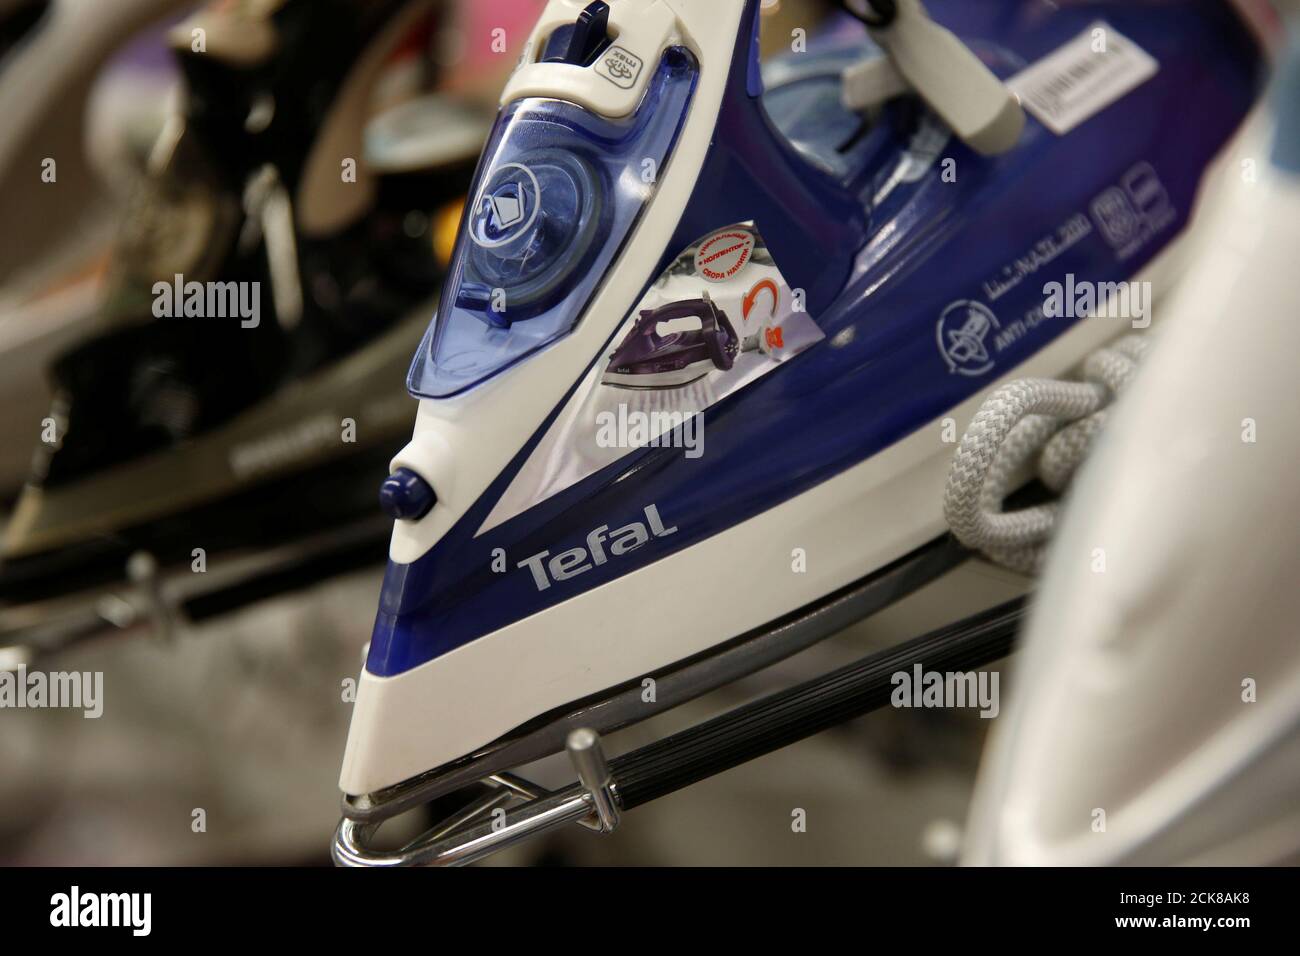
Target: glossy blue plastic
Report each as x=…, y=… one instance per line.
x=404, y=495
x=883, y=257
x=557, y=195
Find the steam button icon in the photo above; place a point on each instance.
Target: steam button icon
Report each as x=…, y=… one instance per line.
x=507, y=206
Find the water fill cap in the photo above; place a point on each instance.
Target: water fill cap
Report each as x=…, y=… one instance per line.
x=533, y=222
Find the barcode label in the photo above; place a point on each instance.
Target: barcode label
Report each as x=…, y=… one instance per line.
x=1083, y=77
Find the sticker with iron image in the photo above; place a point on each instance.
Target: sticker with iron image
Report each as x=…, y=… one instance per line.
x=718, y=318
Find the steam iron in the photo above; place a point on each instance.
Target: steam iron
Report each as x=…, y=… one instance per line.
x=79, y=89
x=51, y=54
x=1210, y=775
x=230, y=441
x=867, y=216
x=674, y=345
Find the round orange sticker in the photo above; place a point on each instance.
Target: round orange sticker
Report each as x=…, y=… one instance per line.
x=722, y=255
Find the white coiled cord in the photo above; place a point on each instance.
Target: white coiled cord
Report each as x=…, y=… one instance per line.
x=1053, y=421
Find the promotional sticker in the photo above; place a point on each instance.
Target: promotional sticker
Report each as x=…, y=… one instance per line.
x=720, y=317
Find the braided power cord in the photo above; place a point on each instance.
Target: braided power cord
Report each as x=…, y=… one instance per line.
x=1039, y=422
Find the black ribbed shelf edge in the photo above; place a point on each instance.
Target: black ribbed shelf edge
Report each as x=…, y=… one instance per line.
x=780, y=719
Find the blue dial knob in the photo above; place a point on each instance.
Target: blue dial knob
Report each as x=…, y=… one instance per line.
x=406, y=496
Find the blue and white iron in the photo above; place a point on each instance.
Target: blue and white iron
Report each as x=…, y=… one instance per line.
x=883, y=214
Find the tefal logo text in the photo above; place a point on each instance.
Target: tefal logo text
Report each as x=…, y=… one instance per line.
x=575, y=561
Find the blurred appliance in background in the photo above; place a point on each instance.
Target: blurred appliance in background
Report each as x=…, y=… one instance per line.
x=52, y=54
x=237, y=395
x=82, y=85
x=1156, y=719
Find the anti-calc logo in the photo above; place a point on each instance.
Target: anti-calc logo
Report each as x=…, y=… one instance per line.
x=506, y=206
x=962, y=334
